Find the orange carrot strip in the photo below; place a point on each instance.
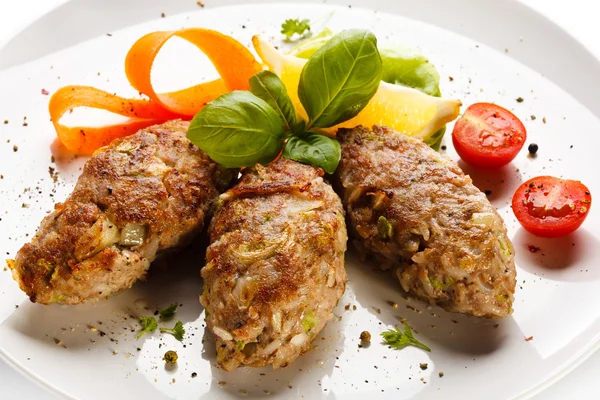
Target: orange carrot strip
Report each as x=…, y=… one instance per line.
x=233, y=62
x=85, y=140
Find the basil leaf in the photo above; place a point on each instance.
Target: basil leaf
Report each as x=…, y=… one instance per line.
x=405, y=66
x=237, y=130
x=402, y=65
x=341, y=77
x=314, y=149
x=267, y=86
x=299, y=128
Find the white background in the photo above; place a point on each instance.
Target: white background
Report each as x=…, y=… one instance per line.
x=578, y=17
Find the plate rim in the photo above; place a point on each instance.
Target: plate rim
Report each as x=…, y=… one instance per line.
x=552, y=378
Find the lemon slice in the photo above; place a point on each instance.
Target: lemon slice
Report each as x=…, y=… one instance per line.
x=287, y=67
x=402, y=108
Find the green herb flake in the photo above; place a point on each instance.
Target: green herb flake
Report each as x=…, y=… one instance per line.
x=295, y=26
x=168, y=312
x=148, y=325
x=398, y=340
x=384, y=228
x=309, y=321
x=178, y=331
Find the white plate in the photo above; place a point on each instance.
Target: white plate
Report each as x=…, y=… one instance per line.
x=556, y=299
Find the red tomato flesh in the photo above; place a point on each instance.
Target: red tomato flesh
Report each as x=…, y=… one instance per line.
x=488, y=136
x=551, y=207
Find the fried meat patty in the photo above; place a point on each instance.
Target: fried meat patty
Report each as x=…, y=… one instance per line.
x=275, y=266
x=136, y=197
x=415, y=210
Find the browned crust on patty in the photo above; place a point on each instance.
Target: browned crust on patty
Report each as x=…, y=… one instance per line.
x=276, y=256
x=448, y=244
x=155, y=180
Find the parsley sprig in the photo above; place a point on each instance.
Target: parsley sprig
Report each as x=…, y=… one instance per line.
x=168, y=312
x=397, y=339
x=178, y=331
x=296, y=26
x=148, y=325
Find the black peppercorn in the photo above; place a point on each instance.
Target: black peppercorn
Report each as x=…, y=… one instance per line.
x=533, y=148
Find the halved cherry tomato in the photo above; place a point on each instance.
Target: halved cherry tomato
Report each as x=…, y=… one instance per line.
x=488, y=136
x=551, y=207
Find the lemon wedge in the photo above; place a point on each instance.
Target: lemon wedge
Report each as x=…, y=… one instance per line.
x=402, y=108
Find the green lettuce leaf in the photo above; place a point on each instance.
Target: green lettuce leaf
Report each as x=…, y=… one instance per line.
x=405, y=66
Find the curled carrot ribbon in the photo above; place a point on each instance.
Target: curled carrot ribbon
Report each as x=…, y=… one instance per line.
x=233, y=61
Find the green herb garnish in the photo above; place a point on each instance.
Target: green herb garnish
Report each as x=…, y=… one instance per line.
x=295, y=26
x=168, y=312
x=397, y=339
x=314, y=149
x=341, y=77
x=241, y=129
x=148, y=325
x=268, y=87
x=178, y=331
x=402, y=65
x=238, y=129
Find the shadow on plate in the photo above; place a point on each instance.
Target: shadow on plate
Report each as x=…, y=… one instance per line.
x=502, y=182
x=115, y=321
x=571, y=258
x=432, y=325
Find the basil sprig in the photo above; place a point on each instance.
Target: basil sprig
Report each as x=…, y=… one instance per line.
x=402, y=65
x=241, y=129
x=269, y=87
x=341, y=77
x=237, y=130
